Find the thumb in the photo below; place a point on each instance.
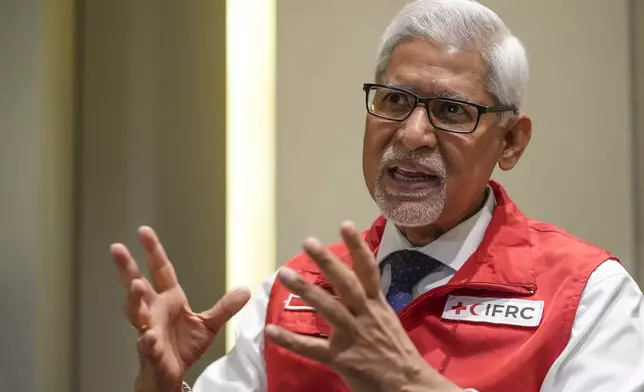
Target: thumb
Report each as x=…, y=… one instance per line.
x=229, y=305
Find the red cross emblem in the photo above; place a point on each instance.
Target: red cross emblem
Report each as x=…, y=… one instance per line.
x=458, y=307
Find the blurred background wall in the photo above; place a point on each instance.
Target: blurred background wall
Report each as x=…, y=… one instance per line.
x=151, y=151
x=37, y=118
x=637, y=105
x=112, y=115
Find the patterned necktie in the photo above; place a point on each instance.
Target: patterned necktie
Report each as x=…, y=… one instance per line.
x=408, y=267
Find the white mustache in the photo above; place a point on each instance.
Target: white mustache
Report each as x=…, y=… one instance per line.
x=432, y=161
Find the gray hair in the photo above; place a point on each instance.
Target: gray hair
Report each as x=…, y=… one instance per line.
x=469, y=25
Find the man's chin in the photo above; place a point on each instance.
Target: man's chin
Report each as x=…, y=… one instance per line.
x=411, y=213
x=424, y=196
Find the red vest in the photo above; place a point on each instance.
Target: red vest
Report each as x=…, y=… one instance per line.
x=518, y=258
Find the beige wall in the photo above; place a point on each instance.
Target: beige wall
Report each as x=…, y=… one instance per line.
x=576, y=173
x=637, y=55
x=36, y=139
x=325, y=51
x=153, y=152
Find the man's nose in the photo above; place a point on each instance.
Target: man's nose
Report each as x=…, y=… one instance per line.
x=417, y=131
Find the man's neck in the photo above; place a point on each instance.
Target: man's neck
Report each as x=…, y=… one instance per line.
x=421, y=236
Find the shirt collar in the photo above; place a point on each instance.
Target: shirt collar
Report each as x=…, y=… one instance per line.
x=454, y=247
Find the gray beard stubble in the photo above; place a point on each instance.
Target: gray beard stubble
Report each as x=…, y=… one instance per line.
x=411, y=213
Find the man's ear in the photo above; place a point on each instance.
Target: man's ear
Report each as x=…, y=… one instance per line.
x=516, y=138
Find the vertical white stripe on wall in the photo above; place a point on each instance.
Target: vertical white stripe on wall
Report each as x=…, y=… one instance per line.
x=250, y=144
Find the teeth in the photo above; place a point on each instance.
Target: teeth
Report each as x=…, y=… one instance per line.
x=404, y=175
x=411, y=173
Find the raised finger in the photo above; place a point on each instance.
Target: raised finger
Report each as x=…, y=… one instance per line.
x=229, y=305
x=314, y=348
x=161, y=270
x=323, y=302
x=344, y=281
x=136, y=309
x=364, y=263
x=125, y=264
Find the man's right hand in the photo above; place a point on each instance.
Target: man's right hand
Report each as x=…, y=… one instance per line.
x=171, y=336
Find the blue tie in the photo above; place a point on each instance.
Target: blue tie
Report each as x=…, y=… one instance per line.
x=408, y=267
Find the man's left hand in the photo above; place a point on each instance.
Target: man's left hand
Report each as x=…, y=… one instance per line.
x=368, y=347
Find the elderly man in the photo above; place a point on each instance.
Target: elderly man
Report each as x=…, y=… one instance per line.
x=451, y=288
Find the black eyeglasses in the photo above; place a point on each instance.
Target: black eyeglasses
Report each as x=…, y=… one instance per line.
x=451, y=115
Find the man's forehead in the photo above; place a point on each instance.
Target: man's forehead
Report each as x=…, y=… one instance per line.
x=426, y=69
x=421, y=52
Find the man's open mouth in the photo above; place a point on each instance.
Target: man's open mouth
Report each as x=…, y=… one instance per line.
x=405, y=178
x=403, y=174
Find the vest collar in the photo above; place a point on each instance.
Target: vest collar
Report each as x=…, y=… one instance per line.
x=504, y=257
x=453, y=247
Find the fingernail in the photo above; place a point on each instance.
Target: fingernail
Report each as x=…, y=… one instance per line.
x=287, y=274
x=234, y=289
x=348, y=228
x=312, y=243
x=271, y=330
x=348, y=224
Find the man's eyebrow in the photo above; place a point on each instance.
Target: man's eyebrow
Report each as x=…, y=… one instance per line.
x=403, y=87
x=439, y=94
x=452, y=95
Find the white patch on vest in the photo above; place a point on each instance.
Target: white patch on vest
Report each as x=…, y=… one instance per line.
x=507, y=311
x=295, y=302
